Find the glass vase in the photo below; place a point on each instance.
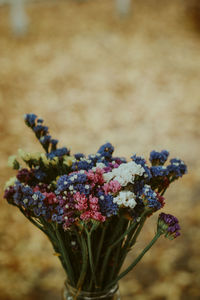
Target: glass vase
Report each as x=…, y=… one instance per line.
x=71, y=293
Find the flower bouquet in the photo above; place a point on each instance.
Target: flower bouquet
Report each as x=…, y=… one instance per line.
x=92, y=208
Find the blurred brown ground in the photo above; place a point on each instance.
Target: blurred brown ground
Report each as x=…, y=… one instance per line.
x=95, y=77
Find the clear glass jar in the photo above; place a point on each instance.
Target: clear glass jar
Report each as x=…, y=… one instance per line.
x=71, y=293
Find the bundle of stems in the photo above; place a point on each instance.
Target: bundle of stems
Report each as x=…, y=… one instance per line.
x=92, y=209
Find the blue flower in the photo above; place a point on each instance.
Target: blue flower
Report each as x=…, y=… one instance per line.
x=107, y=207
x=40, y=175
x=30, y=119
x=97, y=158
x=106, y=150
x=177, y=168
x=78, y=156
x=58, y=216
x=54, y=142
x=42, y=134
x=40, y=130
x=76, y=181
x=159, y=171
x=150, y=198
x=83, y=164
x=45, y=140
x=158, y=158
x=23, y=195
x=58, y=152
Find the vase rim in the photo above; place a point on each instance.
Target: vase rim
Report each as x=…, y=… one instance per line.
x=94, y=295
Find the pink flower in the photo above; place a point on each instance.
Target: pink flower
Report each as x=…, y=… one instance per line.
x=98, y=216
x=93, y=200
x=81, y=201
x=93, y=203
x=86, y=215
x=90, y=175
x=96, y=177
x=50, y=198
x=113, y=186
x=95, y=215
x=94, y=207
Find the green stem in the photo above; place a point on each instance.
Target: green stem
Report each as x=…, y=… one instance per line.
x=132, y=226
x=84, y=265
x=110, y=248
x=90, y=255
x=65, y=256
x=133, y=240
x=134, y=263
x=121, y=251
x=115, y=263
x=100, y=245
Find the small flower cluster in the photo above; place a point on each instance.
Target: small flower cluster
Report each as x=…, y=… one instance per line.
x=168, y=225
x=66, y=189
x=42, y=134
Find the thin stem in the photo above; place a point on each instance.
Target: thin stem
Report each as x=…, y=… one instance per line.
x=121, y=250
x=65, y=256
x=110, y=248
x=84, y=265
x=133, y=240
x=100, y=245
x=91, y=256
x=116, y=259
x=134, y=263
x=132, y=226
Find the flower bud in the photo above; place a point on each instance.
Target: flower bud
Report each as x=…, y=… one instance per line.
x=168, y=225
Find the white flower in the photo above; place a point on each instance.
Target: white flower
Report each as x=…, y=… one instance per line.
x=125, y=173
x=100, y=165
x=125, y=198
x=10, y=182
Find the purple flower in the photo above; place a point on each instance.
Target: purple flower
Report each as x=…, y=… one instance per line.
x=9, y=193
x=25, y=175
x=168, y=225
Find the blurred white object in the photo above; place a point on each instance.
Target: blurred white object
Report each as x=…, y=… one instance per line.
x=123, y=7
x=19, y=19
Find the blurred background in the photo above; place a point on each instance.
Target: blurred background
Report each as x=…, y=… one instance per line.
x=127, y=72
